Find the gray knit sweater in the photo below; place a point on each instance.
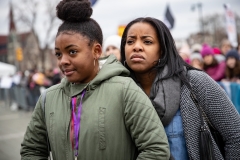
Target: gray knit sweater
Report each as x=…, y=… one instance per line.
x=219, y=110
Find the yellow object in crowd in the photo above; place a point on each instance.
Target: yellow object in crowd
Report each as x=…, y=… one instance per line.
x=19, y=54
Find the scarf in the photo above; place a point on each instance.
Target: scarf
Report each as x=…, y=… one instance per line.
x=165, y=96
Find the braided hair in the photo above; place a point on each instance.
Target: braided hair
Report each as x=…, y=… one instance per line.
x=169, y=53
x=75, y=15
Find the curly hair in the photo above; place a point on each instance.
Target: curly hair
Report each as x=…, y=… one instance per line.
x=75, y=15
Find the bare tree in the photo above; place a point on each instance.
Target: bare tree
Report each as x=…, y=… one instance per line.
x=215, y=25
x=214, y=30
x=40, y=18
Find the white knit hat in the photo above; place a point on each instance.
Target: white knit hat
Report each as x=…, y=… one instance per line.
x=196, y=55
x=113, y=40
x=196, y=47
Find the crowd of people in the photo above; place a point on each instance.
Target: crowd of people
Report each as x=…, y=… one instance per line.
x=31, y=83
x=133, y=97
x=220, y=63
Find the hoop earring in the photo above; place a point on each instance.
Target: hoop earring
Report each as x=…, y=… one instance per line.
x=124, y=63
x=159, y=61
x=94, y=62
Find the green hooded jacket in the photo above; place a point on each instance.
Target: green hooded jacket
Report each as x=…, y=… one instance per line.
x=118, y=121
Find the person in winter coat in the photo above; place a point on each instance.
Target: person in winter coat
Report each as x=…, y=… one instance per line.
x=196, y=60
x=232, y=71
x=215, y=69
x=149, y=52
x=92, y=114
x=112, y=46
x=225, y=46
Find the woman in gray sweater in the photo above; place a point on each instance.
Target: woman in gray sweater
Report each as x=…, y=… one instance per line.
x=149, y=52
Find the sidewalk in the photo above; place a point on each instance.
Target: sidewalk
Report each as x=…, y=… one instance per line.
x=12, y=128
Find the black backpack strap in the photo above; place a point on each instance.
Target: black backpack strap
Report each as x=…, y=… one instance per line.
x=43, y=101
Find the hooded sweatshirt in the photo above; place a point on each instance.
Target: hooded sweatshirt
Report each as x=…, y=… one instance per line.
x=118, y=121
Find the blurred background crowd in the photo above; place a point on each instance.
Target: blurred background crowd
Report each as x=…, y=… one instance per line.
x=22, y=89
x=220, y=63
x=28, y=65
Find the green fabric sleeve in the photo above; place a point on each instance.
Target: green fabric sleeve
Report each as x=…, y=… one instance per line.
x=144, y=124
x=34, y=145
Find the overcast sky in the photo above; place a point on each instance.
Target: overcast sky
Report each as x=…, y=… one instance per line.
x=112, y=13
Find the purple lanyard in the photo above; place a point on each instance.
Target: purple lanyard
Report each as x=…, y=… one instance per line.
x=77, y=119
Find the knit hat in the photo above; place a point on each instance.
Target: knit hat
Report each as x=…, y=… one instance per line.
x=185, y=50
x=113, y=40
x=206, y=50
x=232, y=53
x=216, y=50
x=196, y=47
x=196, y=55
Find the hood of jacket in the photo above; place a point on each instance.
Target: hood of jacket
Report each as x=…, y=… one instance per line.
x=112, y=67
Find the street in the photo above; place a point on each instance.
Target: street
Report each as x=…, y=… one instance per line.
x=12, y=128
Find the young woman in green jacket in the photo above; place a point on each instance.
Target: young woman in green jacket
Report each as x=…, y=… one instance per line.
x=93, y=114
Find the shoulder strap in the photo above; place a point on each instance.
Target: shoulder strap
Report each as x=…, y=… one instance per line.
x=201, y=110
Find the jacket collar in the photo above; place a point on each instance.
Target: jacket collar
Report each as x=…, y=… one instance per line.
x=112, y=67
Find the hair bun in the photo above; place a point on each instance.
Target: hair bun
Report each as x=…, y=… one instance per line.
x=74, y=10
